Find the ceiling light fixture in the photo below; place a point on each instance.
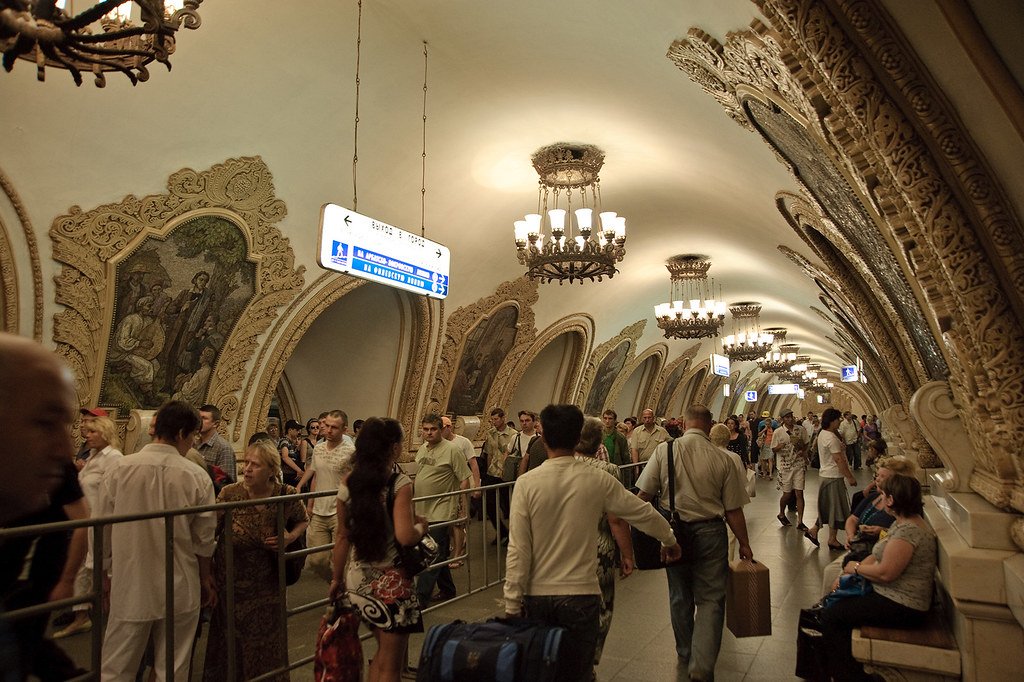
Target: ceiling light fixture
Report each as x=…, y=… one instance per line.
x=564, y=253
x=778, y=360
x=691, y=312
x=747, y=342
x=90, y=36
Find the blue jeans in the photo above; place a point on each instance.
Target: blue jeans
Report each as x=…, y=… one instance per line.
x=579, y=615
x=442, y=575
x=696, y=593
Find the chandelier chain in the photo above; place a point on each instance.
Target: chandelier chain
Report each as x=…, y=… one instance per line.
x=355, y=127
x=423, y=159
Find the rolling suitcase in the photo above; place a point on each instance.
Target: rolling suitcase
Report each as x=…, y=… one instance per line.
x=498, y=650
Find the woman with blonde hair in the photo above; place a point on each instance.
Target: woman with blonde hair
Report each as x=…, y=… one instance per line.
x=869, y=518
x=261, y=634
x=104, y=442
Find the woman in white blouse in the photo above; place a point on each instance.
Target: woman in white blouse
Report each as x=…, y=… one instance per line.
x=103, y=441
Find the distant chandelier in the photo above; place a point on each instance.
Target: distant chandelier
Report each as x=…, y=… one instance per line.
x=821, y=385
x=691, y=313
x=564, y=253
x=93, y=36
x=778, y=360
x=747, y=342
x=796, y=370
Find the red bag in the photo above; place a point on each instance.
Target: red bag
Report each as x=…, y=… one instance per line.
x=339, y=655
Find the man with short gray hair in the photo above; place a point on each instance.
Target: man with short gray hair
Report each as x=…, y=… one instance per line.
x=708, y=487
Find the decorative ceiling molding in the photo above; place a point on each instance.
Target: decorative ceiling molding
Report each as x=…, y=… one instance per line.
x=665, y=381
x=939, y=201
x=857, y=277
x=632, y=333
x=10, y=296
x=579, y=325
x=522, y=293
x=658, y=351
x=90, y=243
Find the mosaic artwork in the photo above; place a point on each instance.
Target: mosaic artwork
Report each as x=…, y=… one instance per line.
x=176, y=301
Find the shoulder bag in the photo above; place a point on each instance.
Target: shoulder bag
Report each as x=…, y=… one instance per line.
x=646, y=549
x=417, y=558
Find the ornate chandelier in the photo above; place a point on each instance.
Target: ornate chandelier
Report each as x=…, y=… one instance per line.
x=691, y=313
x=565, y=253
x=796, y=370
x=778, y=360
x=747, y=342
x=91, y=36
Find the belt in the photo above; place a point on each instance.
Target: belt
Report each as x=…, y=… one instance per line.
x=713, y=519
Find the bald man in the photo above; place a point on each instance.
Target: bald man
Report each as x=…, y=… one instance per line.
x=35, y=454
x=37, y=442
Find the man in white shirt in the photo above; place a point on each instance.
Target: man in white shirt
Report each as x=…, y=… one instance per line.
x=850, y=433
x=519, y=446
x=465, y=446
x=789, y=443
x=332, y=459
x=493, y=452
x=158, y=477
x=551, y=570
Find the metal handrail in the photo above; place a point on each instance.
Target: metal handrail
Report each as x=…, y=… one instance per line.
x=101, y=523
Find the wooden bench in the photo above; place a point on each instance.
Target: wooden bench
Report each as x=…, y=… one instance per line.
x=928, y=653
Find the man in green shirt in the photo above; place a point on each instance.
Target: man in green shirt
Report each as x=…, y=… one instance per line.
x=614, y=442
x=442, y=469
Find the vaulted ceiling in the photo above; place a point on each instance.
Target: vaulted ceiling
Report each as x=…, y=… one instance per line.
x=277, y=80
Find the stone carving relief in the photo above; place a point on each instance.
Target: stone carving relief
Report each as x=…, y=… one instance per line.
x=939, y=201
x=581, y=326
x=91, y=243
x=671, y=380
x=933, y=409
x=522, y=293
x=632, y=334
x=10, y=305
x=658, y=353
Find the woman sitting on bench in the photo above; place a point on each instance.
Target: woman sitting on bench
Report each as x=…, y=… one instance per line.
x=901, y=570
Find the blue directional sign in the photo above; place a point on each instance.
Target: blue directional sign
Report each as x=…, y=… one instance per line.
x=364, y=247
x=750, y=396
x=783, y=389
x=849, y=373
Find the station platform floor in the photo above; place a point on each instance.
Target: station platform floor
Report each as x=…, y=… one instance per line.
x=640, y=645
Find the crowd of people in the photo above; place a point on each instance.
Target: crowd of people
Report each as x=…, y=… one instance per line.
x=566, y=524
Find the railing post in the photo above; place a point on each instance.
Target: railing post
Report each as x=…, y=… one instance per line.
x=169, y=596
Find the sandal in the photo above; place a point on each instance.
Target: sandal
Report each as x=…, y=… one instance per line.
x=836, y=547
x=783, y=520
x=801, y=526
x=812, y=538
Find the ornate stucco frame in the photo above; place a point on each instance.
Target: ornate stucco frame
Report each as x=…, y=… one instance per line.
x=91, y=243
x=632, y=333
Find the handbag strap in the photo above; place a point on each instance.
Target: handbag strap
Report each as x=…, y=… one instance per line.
x=672, y=480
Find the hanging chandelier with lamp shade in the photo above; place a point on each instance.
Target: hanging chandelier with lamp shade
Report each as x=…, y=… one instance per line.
x=572, y=248
x=691, y=312
x=748, y=341
x=782, y=356
x=796, y=370
x=87, y=36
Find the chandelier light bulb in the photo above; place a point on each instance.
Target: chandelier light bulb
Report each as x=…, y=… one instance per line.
x=557, y=218
x=584, y=218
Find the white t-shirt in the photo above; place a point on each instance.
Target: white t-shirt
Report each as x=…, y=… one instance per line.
x=330, y=466
x=465, y=445
x=830, y=444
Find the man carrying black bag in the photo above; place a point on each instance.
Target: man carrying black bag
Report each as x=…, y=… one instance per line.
x=551, y=572
x=707, y=487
